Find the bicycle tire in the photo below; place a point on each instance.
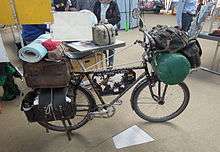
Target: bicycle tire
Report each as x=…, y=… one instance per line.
x=61, y=128
x=142, y=86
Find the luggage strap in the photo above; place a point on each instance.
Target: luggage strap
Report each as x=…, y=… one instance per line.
x=109, y=38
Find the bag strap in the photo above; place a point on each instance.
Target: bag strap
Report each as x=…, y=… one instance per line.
x=109, y=37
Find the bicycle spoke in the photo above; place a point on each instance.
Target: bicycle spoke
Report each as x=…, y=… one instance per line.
x=82, y=105
x=173, y=100
x=154, y=109
x=145, y=98
x=82, y=110
x=80, y=115
x=147, y=103
x=165, y=107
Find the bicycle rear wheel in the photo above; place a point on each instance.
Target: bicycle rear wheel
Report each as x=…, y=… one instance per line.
x=149, y=104
x=83, y=102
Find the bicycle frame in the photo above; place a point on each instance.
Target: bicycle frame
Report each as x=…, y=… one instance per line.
x=87, y=74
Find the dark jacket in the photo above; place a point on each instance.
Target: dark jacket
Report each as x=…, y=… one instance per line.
x=60, y=5
x=63, y=4
x=86, y=4
x=32, y=32
x=112, y=14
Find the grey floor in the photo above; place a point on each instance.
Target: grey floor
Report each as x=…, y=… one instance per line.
x=197, y=129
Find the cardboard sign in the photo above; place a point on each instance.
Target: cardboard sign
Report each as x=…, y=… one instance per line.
x=72, y=26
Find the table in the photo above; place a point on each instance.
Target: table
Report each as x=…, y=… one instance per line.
x=205, y=35
x=85, y=48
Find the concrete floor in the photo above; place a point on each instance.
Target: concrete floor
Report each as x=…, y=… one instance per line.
x=197, y=129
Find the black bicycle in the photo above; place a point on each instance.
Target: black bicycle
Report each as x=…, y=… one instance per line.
x=151, y=99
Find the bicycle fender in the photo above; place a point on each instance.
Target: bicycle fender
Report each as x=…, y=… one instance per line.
x=145, y=80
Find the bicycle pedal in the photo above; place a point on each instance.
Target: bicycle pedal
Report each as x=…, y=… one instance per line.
x=103, y=113
x=99, y=112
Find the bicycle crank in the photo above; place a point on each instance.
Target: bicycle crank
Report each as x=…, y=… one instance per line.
x=103, y=112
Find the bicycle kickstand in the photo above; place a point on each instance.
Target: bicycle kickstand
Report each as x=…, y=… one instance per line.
x=68, y=132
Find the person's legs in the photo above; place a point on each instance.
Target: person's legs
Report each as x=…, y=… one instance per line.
x=11, y=90
x=111, y=57
x=186, y=21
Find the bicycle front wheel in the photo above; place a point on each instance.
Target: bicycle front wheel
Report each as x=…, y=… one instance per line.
x=160, y=102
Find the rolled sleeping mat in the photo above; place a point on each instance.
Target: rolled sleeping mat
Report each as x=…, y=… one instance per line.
x=32, y=53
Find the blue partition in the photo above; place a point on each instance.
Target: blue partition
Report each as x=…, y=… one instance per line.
x=125, y=8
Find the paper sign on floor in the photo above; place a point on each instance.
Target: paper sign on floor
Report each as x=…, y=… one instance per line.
x=130, y=137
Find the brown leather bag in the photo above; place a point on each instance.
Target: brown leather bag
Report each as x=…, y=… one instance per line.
x=46, y=74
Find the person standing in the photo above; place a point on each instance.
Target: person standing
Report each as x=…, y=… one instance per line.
x=107, y=11
x=66, y=5
x=186, y=10
x=200, y=4
x=86, y=4
x=7, y=74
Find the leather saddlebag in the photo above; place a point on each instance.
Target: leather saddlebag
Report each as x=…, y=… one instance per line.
x=46, y=74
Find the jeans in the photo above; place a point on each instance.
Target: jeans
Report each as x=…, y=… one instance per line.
x=186, y=21
x=110, y=56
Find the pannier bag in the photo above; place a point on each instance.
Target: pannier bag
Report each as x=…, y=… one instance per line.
x=49, y=105
x=168, y=39
x=103, y=34
x=193, y=53
x=171, y=68
x=46, y=74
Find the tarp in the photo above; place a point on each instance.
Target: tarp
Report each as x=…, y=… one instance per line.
x=6, y=17
x=34, y=11
x=27, y=11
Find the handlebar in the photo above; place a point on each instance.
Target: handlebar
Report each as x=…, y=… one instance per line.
x=147, y=38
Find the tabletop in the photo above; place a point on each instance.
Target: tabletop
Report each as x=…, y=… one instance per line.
x=89, y=46
x=205, y=35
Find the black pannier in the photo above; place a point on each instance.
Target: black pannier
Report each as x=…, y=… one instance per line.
x=193, y=53
x=48, y=105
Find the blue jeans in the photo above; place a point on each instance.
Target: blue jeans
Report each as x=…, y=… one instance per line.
x=186, y=21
